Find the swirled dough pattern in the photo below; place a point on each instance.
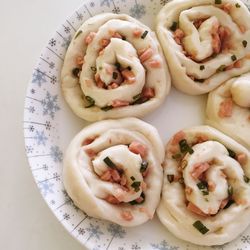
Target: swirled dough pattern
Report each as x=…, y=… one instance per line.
x=112, y=170
x=206, y=190
x=206, y=42
x=114, y=68
x=228, y=109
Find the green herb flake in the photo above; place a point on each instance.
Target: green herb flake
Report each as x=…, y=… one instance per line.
x=246, y=179
x=144, y=166
x=100, y=68
x=118, y=65
x=237, y=5
x=136, y=97
x=109, y=162
x=91, y=102
x=78, y=33
x=132, y=178
x=230, y=190
x=107, y=108
x=202, y=67
x=115, y=75
x=170, y=178
x=144, y=34
x=176, y=156
x=136, y=185
x=233, y=57
x=93, y=68
x=202, y=185
x=174, y=26
x=75, y=72
x=218, y=1
x=205, y=192
x=184, y=147
x=200, y=227
x=135, y=202
x=231, y=153
x=244, y=43
x=230, y=202
x=221, y=68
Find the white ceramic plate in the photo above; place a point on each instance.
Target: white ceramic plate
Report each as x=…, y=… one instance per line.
x=49, y=125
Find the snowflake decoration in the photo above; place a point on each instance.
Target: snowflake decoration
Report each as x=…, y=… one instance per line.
x=79, y=16
x=66, y=42
x=67, y=29
x=31, y=128
x=32, y=91
x=52, y=42
x=29, y=149
x=46, y=188
x=31, y=109
x=56, y=176
x=116, y=231
x=94, y=231
x=81, y=231
x=135, y=247
x=138, y=11
x=47, y=125
x=50, y=106
x=245, y=239
x=53, y=79
x=51, y=65
x=163, y=245
x=66, y=216
x=92, y=4
x=52, y=202
x=163, y=2
x=40, y=138
x=45, y=167
x=56, y=154
x=116, y=10
x=38, y=77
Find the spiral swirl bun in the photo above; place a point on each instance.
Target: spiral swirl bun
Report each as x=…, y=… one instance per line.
x=205, y=42
x=206, y=190
x=112, y=170
x=114, y=68
x=228, y=109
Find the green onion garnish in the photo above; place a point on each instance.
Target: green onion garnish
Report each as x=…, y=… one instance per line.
x=221, y=68
x=202, y=185
x=140, y=100
x=244, y=43
x=106, y=108
x=200, y=227
x=144, y=166
x=176, y=156
x=75, y=72
x=231, y=153
x=246, y=179
x=144, y=34
x=170, y=178
x=132, y=178
x=100, y=68
x=230, y=190
x=115, y=75
x=93, y=68
x=91, y=102
x=237, y=5
x=136, y=185
x=184, y=147
x=117, y=65
x=136, y=97
x=233, y=57
x=109, y=162
x=78, y=33
x=174, y=26
x=205, y=192
x=217, y=1
x=134, y=202
x=202, y=67
x=230, y=202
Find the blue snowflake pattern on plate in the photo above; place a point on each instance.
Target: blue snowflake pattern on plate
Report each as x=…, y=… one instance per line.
x=44, y=128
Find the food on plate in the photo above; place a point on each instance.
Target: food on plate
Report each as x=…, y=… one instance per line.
x=112, y=170
x=114, y=67
x=205, y=42
x=206, y=189
x=228, y=109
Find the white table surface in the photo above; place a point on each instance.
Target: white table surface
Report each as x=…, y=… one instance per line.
x=26, y=223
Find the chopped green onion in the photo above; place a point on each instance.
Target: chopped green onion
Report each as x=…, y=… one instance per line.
x=91, y=102
x=170, y=178
x=202, y=185
x=93, y=68
x=200, y=227
x=136, y=97
x=230, y=190
x=136, y=185
x=109, y=162
x=184, y=147
x=75, y=72
x=78, y=33
x=117, y=65
x=115, y=75
x=132, y=178
x=134, y=202
x=144, y=166
x=237, y=5
x=246, y=179
x=221, y=68
x=176, y=156
x=174, y=26
x=107, y=108
x=231, y=153
x=144, y=34
x=205, y=192
x=217, y=1
x=100, y=68
x=244, y=43
x=233, y=57
x=140, y=100
x=230, y=202
x=202, y=67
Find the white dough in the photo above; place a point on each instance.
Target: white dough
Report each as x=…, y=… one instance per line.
x=198, y=43
x=124, y=52
x=225, y=224
x=238, y=124
x=81, y=174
